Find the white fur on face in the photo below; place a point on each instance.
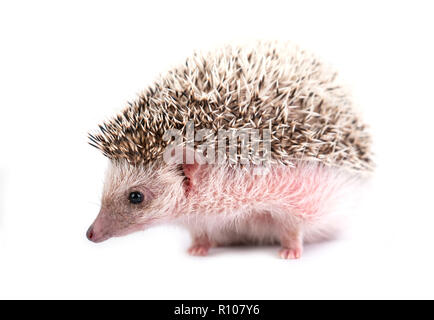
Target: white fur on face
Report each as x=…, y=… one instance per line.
x=160, y=185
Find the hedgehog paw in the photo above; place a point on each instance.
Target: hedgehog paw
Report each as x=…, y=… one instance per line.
x=290, y=253
x=198, y=250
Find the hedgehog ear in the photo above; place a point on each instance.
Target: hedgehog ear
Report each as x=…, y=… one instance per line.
x=192, y=174
x=192, y=163
x=189, y=159
x=190, y=171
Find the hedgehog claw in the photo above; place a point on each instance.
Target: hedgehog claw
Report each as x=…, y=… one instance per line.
x=198, y=250
x=290, y=253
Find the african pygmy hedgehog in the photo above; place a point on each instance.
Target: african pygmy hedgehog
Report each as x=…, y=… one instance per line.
x=285, y=133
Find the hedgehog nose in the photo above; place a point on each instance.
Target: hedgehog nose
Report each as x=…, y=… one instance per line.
x=90, y=234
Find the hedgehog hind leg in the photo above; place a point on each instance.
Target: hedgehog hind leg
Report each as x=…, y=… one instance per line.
x=291, y=241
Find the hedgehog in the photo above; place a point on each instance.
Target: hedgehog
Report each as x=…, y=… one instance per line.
x=247, y=144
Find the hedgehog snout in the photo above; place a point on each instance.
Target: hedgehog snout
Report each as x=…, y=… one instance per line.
x=90, y=234
x=93, y=235
x=95, y=232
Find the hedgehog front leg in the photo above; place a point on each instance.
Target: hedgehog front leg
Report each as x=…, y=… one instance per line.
x=200, y=246
x=291, y=240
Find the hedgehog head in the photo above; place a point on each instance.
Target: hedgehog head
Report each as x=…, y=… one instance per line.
x=136, y=197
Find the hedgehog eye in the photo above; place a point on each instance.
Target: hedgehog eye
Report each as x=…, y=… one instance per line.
x=136, y=197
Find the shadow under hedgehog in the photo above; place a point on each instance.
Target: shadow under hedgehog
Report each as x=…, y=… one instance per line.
x=281, y=188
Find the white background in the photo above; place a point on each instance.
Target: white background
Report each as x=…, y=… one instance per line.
x=67, y=65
